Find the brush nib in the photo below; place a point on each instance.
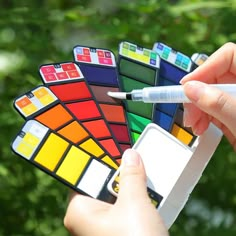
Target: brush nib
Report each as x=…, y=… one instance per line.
x=117, y=95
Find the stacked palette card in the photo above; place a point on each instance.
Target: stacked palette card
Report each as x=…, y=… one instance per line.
x=138, y=68
x=76, y=133
x=100, y=69
x=173, y=67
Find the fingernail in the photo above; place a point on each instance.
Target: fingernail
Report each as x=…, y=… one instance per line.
x=195, y=89
x=186, y=117
x=182, y=80
x=197, y=132
x=130, y=158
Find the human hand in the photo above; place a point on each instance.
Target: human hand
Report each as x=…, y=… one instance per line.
x=133, y=214
x=210, y=104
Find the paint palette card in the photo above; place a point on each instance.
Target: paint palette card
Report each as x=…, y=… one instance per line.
x=174, y=57
x=67, y=82
x=138, y=68
x=173, y=67
x=61, y=159
x=198, y=59
x=100, y=70
x=42, y=105
x=173, y=168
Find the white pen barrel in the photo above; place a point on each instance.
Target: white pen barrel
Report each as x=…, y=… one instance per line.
x=227, y=88
x=172, y=94
x=164, y=94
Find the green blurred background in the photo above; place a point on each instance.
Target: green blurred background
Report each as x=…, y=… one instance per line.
x=37, y=32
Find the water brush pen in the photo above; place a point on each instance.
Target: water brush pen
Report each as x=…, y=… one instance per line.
x=165, y=94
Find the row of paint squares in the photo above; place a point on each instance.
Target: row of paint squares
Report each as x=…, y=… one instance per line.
x=73, y=130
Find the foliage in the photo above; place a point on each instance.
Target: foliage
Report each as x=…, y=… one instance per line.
x=37, y=32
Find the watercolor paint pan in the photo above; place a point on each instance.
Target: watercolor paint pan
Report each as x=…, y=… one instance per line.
x=173, y=67
x=62, y=160
x=138, y=68
x=67, y=82
x=100, y=70
x=42, y=105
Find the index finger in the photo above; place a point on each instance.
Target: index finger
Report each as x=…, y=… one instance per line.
x=220, y=67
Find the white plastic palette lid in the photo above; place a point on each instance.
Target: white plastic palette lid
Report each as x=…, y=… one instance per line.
x=173, y=169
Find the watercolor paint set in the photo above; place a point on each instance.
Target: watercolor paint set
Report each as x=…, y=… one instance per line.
x=76, y=133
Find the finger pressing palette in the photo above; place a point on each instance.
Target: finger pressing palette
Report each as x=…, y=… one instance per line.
x=67, y=82
x=138, y=68
x=173, y=67
x=172, y=168
x=66, y=162
x=99, y=68
x=42, y=105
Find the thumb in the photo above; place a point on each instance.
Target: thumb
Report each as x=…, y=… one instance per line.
x=132, y=178
x=213, y=101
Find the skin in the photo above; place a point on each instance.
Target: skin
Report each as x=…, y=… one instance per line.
x=133, y=214
x=210, y=104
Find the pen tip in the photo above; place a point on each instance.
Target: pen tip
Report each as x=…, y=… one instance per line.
x=117, y=95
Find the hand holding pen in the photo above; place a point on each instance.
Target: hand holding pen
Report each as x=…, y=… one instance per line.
x=210, y=104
